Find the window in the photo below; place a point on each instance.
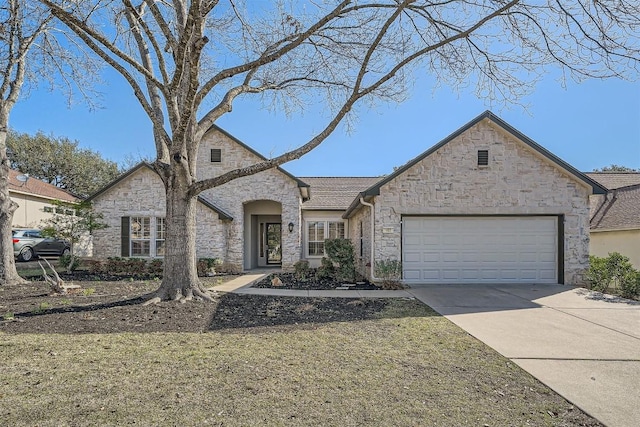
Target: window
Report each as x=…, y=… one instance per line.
x=336, y=230
x=216, y=155
x=483, y=157
x=316, y=238
x=140, y=234
x=160, y=232
x=318, y=231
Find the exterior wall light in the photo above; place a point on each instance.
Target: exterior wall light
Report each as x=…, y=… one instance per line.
x=290, y=227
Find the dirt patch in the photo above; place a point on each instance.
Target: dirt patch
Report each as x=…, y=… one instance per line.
x=106, y=307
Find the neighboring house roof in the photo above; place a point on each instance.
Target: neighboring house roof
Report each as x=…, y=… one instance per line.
x=39, y=188
x=613, y=180
x=374, y=190
x=618, y=210
x=221, y=213
x=301, y=184
x=335, y=193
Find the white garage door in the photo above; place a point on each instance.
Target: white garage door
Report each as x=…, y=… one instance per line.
x=479, y=249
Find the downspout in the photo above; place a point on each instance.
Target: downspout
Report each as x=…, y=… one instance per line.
x=373, y=239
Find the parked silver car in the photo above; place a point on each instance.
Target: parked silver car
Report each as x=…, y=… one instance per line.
x=28, y=243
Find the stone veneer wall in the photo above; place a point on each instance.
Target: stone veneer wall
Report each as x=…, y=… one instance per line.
x=271, y=185
x=142, y=194
x=517, y=181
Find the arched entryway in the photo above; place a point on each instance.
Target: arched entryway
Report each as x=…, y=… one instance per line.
x=262, y=234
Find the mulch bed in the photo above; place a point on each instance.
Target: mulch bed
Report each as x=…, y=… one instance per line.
x=289, y=281
x=116, y=306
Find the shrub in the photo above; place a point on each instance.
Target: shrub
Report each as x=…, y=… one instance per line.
x=70, y=262
x=598, y=274
x=207, y=266
x=630, y=285
x=615, y=272
x=326, y=269
x=301, y=270
x=94, y=265
x=342, y=254
x=155, y=266
x=390, y=271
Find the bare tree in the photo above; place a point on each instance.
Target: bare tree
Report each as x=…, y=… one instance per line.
x=188, y=61
x=32, y=51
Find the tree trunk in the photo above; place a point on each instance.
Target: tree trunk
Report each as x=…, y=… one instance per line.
x=180, y=279
x=8, y=273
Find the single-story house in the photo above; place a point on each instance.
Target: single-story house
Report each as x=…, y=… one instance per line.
x=34, y=198
x=486, y=204
x=615, y=216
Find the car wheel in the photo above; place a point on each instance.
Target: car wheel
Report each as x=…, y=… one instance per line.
x=65, y=252
x=26, y=254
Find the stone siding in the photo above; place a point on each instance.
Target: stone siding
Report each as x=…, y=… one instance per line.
x=271, y=185
x=517, y=181
x=142, y=194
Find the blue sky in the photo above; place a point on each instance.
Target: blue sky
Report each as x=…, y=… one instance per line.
x=589, y=125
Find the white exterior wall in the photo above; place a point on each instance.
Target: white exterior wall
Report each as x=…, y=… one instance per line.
x=30, y=212
x=625, y=242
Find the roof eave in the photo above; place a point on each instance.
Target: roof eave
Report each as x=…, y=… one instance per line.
x=119, y=179
x=355, y=205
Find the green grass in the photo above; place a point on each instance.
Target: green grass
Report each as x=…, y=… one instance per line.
x=414, y=370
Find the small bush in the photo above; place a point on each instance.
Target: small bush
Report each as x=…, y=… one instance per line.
x=342, y=254
x=630, y=285
x=301, y=270
x=614, y=273
x=155, y=266
x=94, y=265
x=326, y=269
x=390, y=271
x=206, y=266
x=65, y=261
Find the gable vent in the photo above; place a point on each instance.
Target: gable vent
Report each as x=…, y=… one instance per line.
x=483, y=157
x=216, y=155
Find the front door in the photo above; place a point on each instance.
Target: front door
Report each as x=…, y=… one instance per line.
x=273, y=240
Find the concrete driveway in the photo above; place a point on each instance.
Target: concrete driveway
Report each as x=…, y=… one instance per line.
x=583, y=346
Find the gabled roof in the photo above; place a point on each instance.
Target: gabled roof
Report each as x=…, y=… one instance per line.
x=335, y=193
x=374, y=190
x=39, y=188
x=619, y=210
x=217, y=128
x=221, y=213
x=613, y=180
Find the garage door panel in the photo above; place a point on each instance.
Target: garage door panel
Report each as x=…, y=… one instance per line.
x=480, y=249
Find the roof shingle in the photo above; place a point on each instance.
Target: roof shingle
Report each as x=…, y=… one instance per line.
x=38, y=188
x=619, y=211
x=613, y=180
x=335, y=193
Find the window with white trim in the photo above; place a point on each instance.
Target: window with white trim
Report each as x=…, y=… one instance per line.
x=140, y=235
x=160, y=233
x=318, y=231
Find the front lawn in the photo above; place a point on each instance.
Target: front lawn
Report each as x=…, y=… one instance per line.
x=304, y=362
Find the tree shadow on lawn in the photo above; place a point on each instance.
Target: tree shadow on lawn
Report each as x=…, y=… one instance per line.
x=114, y=313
